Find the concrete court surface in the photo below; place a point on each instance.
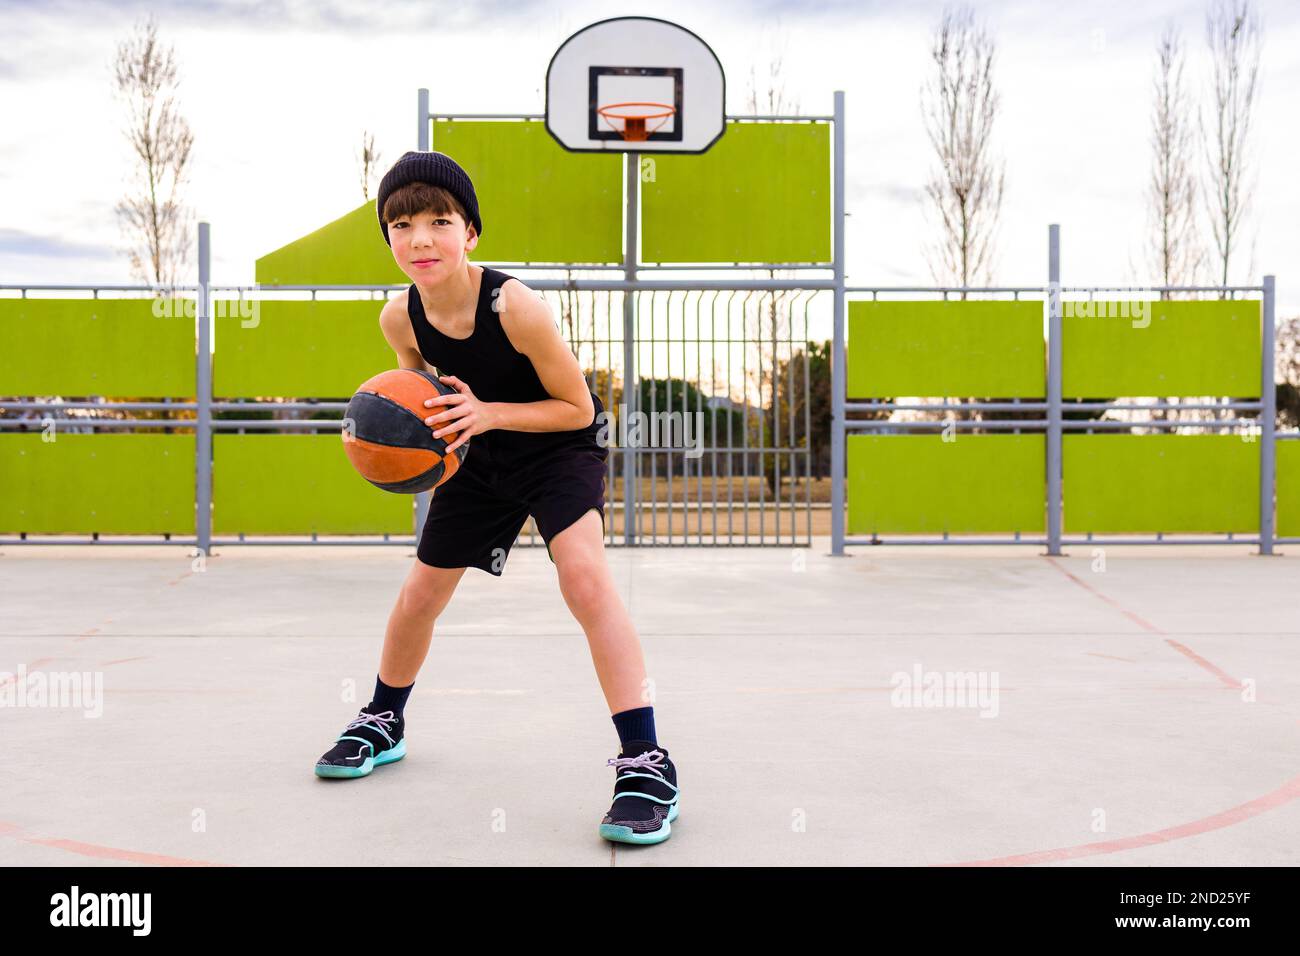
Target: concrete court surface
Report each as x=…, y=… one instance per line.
x=1144, y=713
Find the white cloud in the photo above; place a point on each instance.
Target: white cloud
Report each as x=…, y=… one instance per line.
x=279, y=93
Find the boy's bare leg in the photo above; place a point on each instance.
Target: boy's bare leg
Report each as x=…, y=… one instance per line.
x=425, y=593
x=588, y=589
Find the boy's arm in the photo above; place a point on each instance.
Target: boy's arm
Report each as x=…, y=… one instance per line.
x=394, y=324
x=526, y=319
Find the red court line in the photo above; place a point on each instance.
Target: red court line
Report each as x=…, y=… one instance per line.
x=1140, y=622
x=14, y=832
x=1270, y=801
x=85, y=634
x=1146, y=625
x=1192, y=655
x=36, y=663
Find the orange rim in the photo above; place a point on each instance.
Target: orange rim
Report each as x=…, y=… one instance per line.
x=634, y=127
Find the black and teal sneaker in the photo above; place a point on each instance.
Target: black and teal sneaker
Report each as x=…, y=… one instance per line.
x=645, y=795
x=366, y=743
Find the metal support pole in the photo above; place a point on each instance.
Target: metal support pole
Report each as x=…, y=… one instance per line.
x=1054, y=389
x=631, y=383
x=422, y=135
x=839, y=371
x=1267, y=422
x=421, y=513
x=203, y=385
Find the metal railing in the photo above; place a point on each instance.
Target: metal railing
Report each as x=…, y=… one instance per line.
x=749, y=381
x=1054, y=424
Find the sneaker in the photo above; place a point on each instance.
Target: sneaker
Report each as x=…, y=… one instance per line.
x=645, y=795
x=370, y=740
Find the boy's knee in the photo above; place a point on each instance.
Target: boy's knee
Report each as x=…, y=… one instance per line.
x=425, y=599
x=581, y=583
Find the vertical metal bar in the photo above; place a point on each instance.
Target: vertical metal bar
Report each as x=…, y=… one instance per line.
x=203, y=385
x=699, y=412
x=609, y=407
x=631, y=387
x=713, y=391
x=1054, y=389
x=686, y=468
x=807, y=424
x=839, y=378
x=762, y=429
x=423, y=131
x=731, y=466
x=744, y=403
x=776, y=423
x=421, y=513
x=652, y=422
x=1268, y=421
x=668, y=378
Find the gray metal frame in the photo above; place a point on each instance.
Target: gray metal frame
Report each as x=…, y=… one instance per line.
x=1053, y=425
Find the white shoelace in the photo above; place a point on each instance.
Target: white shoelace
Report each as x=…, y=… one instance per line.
x=379, y=722
x=650, y=760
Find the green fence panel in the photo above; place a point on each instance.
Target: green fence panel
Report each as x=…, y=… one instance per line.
x=1161, y=349
x=1159, y=483
x=106, y=483
x=762, y=193
x=914, y=484
x=940, y=349
x=1287, y=463
x=298, y=484
x=539, y=202
x=304, y=349
x=124, y=348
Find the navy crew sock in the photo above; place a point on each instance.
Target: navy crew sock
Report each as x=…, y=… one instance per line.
x=637, y=724
x=389, y=698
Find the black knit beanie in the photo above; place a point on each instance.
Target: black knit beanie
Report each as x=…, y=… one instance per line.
x=436, y=169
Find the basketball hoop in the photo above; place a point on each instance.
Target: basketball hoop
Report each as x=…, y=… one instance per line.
x=634, y=118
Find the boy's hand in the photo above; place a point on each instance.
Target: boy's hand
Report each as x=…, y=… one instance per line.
x=466, y=416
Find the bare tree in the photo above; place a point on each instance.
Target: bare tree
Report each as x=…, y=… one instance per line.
x=156, y=224
x=960, y=106
x=369, y=160
x=1234, y=36
x=1175, y=251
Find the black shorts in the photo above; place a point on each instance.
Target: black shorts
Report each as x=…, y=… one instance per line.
x=476, y=516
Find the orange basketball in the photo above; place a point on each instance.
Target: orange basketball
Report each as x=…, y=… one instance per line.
x=385, y=436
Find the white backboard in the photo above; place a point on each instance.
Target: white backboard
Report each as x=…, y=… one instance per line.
x=656, y=66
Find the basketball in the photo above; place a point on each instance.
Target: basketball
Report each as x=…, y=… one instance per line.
x=385, y=436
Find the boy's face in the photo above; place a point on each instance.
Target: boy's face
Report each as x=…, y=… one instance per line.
x=429, y=246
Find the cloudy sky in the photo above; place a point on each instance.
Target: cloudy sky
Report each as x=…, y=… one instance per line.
x=278, y=94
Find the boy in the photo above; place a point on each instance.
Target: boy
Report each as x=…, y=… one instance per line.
x=521, y=394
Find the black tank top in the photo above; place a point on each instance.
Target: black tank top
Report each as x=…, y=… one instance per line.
x=496, y=372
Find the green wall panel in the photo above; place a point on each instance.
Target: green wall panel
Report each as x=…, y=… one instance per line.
x=298, y=484
x=539, y=202
x=106, y=483
x=1287, y=464
x=762, y=193
x=915, y=484
x=1165, y=483
x=1175, y=349
x=940, y=349
x=304, y=349
x=348, y=251
x=114, y=347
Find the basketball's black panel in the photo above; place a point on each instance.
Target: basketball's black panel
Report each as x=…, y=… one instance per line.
x=417, y=484
x=384, y=422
